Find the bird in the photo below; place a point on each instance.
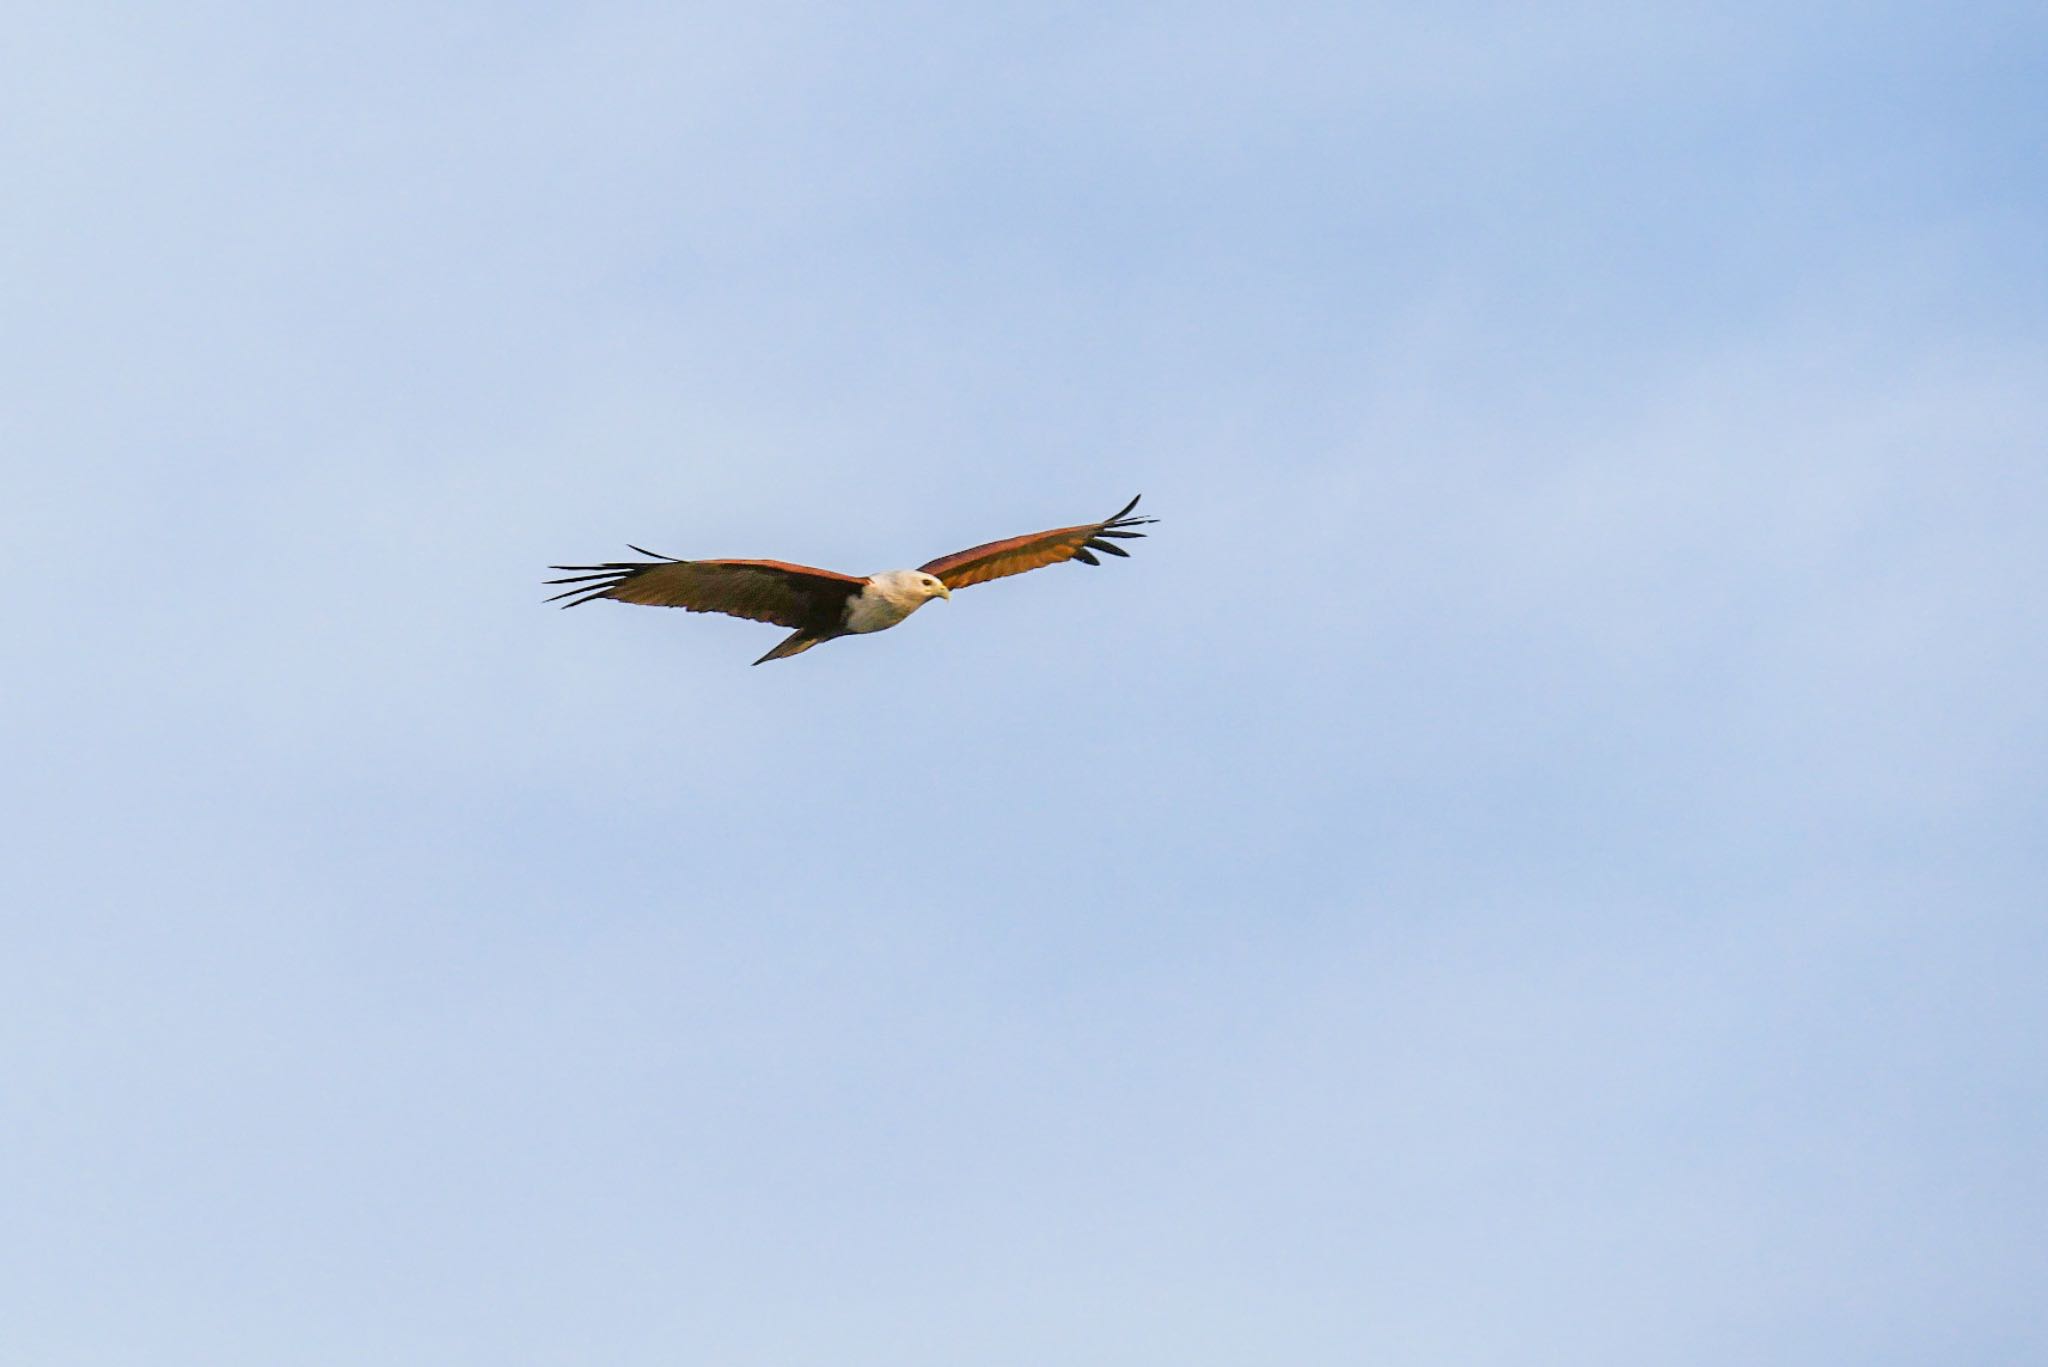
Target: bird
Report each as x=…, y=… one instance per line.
x=823, y=605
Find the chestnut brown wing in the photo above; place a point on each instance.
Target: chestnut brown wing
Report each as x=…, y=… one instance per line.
x=979, y=564
x=760, y=590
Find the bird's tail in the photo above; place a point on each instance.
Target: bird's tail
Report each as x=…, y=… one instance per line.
x=796, y=643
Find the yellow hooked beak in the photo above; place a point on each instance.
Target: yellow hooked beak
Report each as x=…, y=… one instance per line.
x=945, y=593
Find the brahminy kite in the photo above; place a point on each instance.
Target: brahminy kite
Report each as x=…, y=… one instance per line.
x=823, y=604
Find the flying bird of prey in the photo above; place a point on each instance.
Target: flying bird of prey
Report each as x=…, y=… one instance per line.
x=823, y=604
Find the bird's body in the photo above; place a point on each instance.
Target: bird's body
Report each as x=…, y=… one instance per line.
x=823, y=604
x=881, y=602
x=890, y=597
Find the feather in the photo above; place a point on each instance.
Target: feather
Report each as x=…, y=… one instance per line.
x=998, y=559
x=760, y=590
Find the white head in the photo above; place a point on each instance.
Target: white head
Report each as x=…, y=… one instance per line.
x=911, y=588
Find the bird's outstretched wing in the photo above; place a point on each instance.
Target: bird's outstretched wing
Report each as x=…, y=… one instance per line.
x=762, y=590
x=979, y=564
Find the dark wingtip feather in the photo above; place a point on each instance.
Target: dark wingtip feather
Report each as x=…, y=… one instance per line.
x=579, y=596
x=597, y=581
x=1123, y=518
x=589, y=582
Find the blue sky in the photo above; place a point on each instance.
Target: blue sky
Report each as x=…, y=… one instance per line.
x=1540, y=860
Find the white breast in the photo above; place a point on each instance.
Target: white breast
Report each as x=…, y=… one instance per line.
x=881, y=604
